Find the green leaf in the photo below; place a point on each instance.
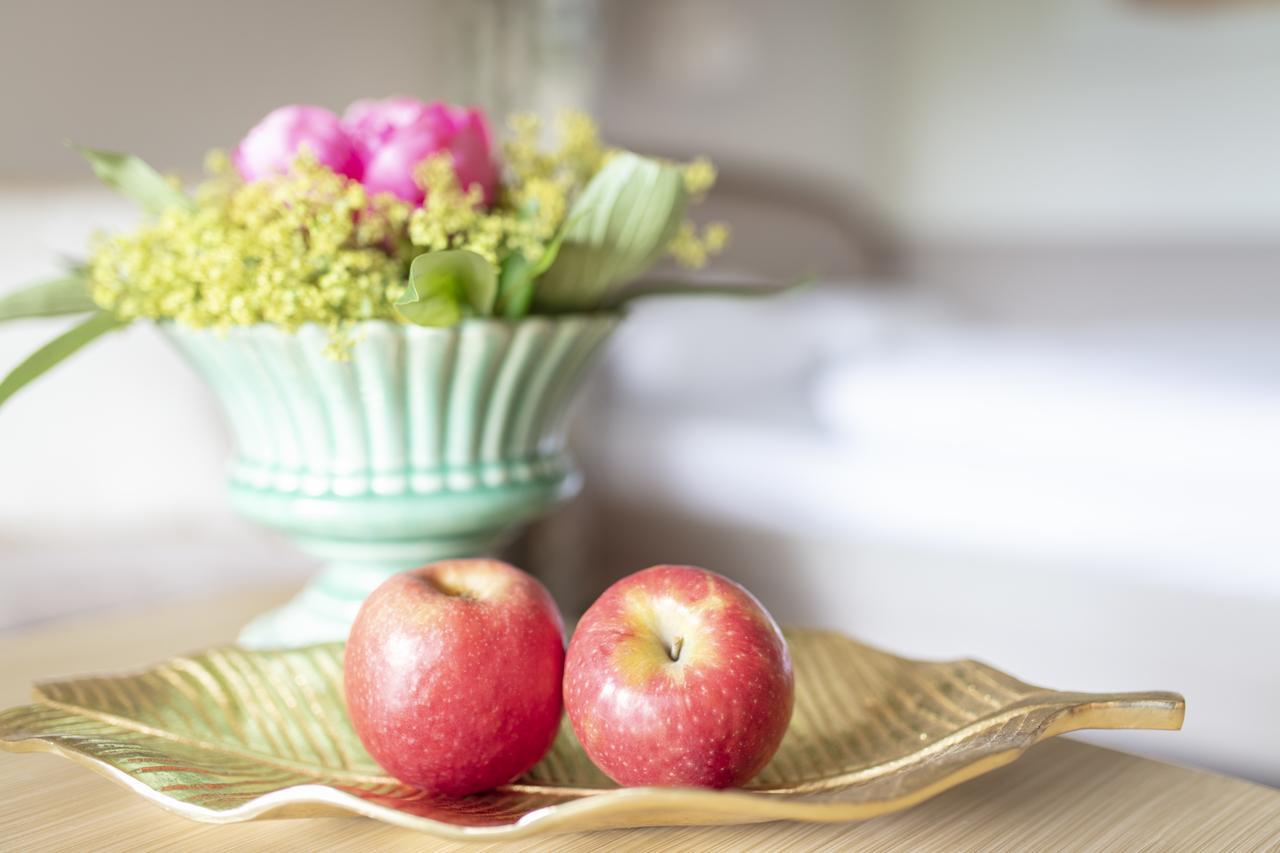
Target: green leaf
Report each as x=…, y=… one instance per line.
x=133, y=177
x=519, y=275
x=49, y=355
x=445, y=286
x=515, y=286
x=621, y=223
x=66, y=295
x=740, y=289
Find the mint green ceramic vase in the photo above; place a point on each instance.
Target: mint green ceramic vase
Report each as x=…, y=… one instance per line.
x=425, y=444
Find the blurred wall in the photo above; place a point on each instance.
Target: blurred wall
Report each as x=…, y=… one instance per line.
x=788, y=99
x=988, y=115
x=170, y=80
x=1110, y=119
x=837, y=123
x=985, y=119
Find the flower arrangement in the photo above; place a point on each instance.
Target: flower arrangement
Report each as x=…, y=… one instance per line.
x=397, y=210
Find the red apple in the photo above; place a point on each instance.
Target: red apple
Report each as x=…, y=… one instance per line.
x=453, y=674
x=678, y=676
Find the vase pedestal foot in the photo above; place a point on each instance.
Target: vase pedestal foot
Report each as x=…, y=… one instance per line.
x=326, y=607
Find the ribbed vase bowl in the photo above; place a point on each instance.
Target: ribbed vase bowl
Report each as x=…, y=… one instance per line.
x=423, y=444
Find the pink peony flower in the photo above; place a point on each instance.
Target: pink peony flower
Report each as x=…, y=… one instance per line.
x=370, y=123
x=273, y=144
x=396, y=134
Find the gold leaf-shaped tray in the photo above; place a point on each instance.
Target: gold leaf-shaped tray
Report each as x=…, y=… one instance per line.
x=232, y=735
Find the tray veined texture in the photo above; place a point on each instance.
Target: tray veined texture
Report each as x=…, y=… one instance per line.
x=230, y=735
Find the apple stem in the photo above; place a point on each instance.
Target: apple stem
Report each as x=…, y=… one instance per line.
x=676, y=645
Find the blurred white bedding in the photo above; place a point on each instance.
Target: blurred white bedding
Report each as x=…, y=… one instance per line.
x=1155, y=444
x=892, y=412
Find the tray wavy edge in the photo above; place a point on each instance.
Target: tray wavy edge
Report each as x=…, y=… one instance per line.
x=656, y=806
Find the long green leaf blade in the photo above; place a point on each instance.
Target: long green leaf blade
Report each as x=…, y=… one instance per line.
x=136, y=179
x=66, y=295
x=736, y=289
x=515, y=286
x=49, y=355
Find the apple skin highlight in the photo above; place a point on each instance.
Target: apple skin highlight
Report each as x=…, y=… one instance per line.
x=453, y=675
x=678, y=676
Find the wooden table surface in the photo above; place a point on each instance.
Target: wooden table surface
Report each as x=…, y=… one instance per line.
x=1063, y=795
